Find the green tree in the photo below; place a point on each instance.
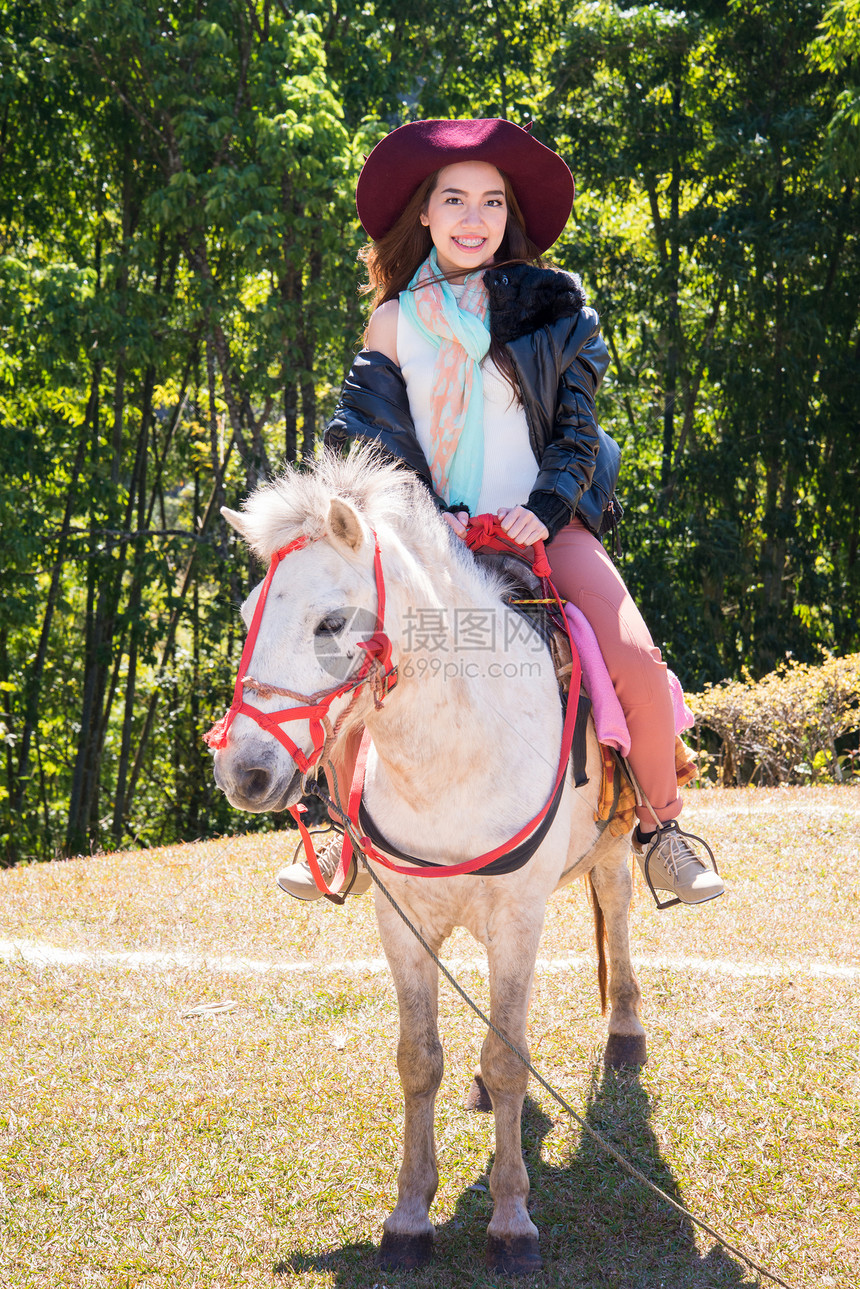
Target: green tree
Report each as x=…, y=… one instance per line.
x=724, y=263
x=185, y=252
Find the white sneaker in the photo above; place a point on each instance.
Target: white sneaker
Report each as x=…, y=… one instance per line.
x=670, y=863
x=297, y=879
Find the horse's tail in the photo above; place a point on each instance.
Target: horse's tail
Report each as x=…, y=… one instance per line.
x=600, y=941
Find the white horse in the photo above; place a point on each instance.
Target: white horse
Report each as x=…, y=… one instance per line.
x=464, y=753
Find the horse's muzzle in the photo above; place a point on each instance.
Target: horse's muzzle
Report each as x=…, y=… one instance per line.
x=255, y=782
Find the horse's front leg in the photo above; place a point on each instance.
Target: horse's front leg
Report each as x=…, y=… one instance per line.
x=613, y=887
x=408, y=1234
x=512, y=1237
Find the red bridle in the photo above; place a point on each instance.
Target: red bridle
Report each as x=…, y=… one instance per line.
x=375, y=670
x=484, y=531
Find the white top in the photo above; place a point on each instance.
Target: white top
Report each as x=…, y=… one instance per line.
x=510, y=468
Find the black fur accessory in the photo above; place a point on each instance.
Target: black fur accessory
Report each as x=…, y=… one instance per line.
x=524, y=298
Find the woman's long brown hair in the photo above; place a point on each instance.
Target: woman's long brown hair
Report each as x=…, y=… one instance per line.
x=391, y=262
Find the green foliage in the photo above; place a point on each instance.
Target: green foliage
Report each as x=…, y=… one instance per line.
x=788, y=727
x=723, y=259
x=178, y=305
x=177, y=240
x=837, y=51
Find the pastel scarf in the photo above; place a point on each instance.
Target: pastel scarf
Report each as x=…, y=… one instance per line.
x=458, y=331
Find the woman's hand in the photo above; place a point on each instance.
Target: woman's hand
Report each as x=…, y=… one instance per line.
x=522, y=526
x=457, y=522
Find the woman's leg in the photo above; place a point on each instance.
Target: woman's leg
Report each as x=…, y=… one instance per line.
x=296, y=879
x=585, y=575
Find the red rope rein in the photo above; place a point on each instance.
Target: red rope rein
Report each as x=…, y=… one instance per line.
x=484, y=532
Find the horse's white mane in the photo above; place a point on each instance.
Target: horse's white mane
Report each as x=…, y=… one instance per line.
x=297, y=500
x=386, y=495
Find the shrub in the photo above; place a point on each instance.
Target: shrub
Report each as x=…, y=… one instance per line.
x=792, y=726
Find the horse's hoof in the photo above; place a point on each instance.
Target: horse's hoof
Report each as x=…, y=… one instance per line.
x=478, y=1098
x=405, y=1252
x=519, y=1256
x=625, y=1050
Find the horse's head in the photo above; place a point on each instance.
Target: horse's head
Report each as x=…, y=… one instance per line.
x=307, y=622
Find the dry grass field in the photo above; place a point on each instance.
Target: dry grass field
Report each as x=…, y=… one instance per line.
x=200, y=1089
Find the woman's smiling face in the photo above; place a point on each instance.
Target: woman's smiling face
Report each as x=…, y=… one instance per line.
x=467, y=214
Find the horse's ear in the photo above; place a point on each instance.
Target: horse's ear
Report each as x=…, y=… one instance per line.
x=345, y=525
x=235, y=520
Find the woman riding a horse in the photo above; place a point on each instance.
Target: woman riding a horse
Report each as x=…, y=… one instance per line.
x=479, y=373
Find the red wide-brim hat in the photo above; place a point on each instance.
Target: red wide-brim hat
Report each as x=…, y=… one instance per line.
x=542, y=183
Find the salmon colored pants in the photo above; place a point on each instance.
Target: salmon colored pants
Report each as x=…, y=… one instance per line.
x=584, y=574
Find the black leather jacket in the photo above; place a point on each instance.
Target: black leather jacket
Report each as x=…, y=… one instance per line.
x=554, y=342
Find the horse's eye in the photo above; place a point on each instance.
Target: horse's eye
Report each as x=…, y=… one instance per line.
x=331, y=625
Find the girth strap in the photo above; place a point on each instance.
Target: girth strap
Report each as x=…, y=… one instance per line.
x=579, y=751
x=507, y=863
x=519, y=855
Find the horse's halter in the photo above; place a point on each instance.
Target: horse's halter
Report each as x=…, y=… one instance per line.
x=376, y=670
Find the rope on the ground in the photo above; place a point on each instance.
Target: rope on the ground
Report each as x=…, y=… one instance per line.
x=604, y=1145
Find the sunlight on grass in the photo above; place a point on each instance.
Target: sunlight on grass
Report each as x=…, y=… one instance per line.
x=196, y=1127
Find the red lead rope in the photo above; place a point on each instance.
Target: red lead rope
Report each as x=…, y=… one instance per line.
x=483, y=532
